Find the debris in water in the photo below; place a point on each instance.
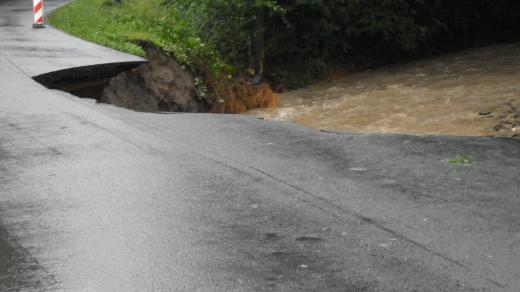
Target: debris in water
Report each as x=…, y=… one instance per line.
x=509, y=121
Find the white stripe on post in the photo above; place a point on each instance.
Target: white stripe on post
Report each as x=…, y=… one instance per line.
x=38, y=13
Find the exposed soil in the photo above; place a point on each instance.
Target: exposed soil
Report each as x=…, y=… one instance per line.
x=160, y=85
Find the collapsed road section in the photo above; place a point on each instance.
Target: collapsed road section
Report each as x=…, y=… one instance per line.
x=86, y=81
x=98, y=198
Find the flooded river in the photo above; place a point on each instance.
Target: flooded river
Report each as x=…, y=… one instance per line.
x=473, y=93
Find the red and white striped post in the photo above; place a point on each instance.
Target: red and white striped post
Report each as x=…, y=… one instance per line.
x=38, y=14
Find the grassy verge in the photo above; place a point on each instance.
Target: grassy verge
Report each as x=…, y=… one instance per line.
x=120, y=25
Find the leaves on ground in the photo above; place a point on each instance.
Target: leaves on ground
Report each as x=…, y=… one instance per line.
x=461, y=160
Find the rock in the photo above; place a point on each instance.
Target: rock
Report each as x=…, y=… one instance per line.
x=255, y=80
x=508, y=123
x=160, y=85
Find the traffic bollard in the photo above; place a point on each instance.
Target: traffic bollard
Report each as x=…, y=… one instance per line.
x=38, y=14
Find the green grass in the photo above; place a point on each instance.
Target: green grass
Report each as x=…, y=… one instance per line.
x=119, y=26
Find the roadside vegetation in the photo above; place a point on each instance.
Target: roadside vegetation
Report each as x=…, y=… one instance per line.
x=288, y=43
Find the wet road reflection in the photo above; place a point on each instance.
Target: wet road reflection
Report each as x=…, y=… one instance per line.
x=18, y=271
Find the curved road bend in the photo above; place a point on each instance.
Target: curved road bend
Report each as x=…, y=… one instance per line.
x=98, y=198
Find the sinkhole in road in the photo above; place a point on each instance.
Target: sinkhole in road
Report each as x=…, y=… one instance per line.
x=160, y=85
x=156, y=86
x=85, y=81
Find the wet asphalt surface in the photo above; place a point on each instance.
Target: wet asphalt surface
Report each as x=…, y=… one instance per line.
x=97, y=198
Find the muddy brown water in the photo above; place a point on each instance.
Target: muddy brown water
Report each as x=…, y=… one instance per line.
x=473, y=93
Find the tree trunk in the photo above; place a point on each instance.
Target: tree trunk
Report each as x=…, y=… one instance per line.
x=258, y=42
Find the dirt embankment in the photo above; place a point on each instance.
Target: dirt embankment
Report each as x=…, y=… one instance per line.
x=160, y=85
x=164, y=85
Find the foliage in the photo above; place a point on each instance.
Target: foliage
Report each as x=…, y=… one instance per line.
x=121, y=25
x=364, y=33
x=302, y=37
x=382, y=30
x=226, y=24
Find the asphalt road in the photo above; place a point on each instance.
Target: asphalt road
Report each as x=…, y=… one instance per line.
x=98, y=198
